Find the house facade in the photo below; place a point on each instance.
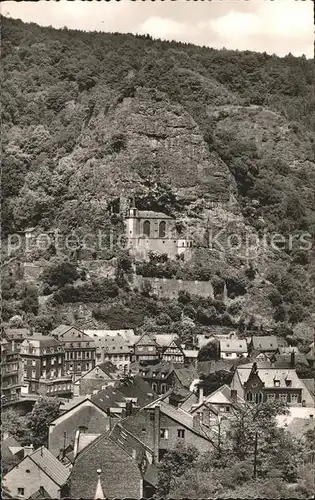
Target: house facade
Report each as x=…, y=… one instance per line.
x=43, y=361
x=146, y=349
x=85, y=415
x=99, y=377
x=114, y=349
x=160, y=426
x=11, y=370
x=79, y=349
x=174, y=353
x=38, y=469
x=262, y=382
x=121, y=473
x=233, y=348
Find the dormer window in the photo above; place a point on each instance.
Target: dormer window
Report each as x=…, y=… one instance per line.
x=288, y=383
x=276, y=383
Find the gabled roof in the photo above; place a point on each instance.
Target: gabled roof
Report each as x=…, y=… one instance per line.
x=233, y=345
x=265, y=343
x=50, y=465
x=42, y=341
x=130, y=443
x=60, y=330
x=165, y=339
x=146, y=339
x=17, y=333
x=128, y=335
x=186, y=375
x=174, y=343
x=220, y=396
x=10, y=447
x=107, y=368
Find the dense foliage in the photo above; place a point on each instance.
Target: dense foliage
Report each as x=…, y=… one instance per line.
x=68, y=156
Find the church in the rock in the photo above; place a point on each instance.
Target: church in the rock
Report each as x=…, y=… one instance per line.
x=147, y=231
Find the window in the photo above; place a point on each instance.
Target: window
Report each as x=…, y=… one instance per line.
x=181, y=433
x=283, y=397
x=20, y=491
x=163, y=388
x=33, y=362
x=162, y=229
x=44, y=362
x=146, y=228
x=294, y=398
x=277, y=383
x=27, y=471
x=164, y=433
x=154, y=387
x=33, y=373
x=271, y=396
x=59, y=359
x=151, y=416
x=288, y=383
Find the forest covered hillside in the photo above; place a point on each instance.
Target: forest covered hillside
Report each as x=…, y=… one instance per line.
x=218, y=139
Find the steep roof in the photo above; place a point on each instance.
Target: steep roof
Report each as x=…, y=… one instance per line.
x=265, y=343
x=186, y=375
x=10, y=447
x=43, y=341
x=233, y=345
x=60, y=330
x=50, y=465
x=165, y=339
x=269, y=374
x=220, y=396
x=146, y=339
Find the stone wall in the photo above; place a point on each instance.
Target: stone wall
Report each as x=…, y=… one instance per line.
x=170, y=288
x=99, y=268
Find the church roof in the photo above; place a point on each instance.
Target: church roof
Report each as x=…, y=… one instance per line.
x=150, y=214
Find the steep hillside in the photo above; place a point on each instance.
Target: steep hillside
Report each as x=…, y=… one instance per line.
x=224, y=141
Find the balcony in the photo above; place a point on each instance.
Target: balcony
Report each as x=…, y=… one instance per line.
x=15, y=398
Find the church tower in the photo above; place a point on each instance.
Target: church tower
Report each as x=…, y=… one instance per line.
x=132, y=221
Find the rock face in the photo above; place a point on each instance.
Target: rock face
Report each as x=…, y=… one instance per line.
x=147, y=139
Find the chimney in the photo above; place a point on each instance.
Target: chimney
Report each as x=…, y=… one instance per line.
x=28, y=450
x=292, y=362
x=197, y=420
x=201, y=394
x=156, y=434
x=234, y=395
x=76, y=443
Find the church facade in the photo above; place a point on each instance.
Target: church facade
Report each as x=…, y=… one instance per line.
x=149, y=231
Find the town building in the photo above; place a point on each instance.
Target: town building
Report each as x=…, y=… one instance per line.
x=146, y=349
x=99, y=377
x=11, y=452
x=167, y=375
x=43, y=359
x=114, y=349
x=161, y=426
x=262, y=382
x=11, y=370
x=174, y=352
x=126, y=398
x=38, y=469
x=219, y=402
x=149, y=231
x=233, y=348
x=123, y=460
x=86, y=415
x=267, y=344
x=79, y=349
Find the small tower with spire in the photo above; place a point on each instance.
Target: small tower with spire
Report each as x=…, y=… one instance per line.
x=132, y=221
x=99, y=494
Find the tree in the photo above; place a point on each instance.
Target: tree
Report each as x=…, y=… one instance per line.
x=209, y=351
x=173, y=465
x=16, y=425
x=60, y=273
x=213, y=381
x=45, y=410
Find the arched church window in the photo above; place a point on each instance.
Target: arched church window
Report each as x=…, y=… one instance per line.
x=162, y=229
x=146, y=228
